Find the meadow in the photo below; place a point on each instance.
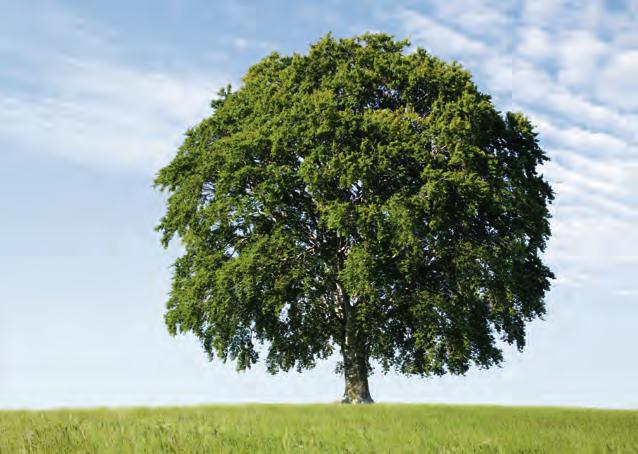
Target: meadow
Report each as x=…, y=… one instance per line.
x=321, y=429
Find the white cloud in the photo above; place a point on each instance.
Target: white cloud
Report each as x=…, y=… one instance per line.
x=571, y=278
x=573, y=170
x=107, y=115
x=536, y=89
x=618, y=82
x=243, y=43
x=440, y=39
x=500, y=77
x=579, y=54
x=585, y=141
x=65, y=90
x=592, y=48
x=535, y=43
x=627, y=292
x=594, y=240
x=485, y=19
x=541, y=11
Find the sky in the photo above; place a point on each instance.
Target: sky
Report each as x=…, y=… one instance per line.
x=95, y=97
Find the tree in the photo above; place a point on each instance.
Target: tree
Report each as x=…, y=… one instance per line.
x=358, y=197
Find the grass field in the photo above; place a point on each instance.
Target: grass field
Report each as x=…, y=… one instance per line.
x=320, y=428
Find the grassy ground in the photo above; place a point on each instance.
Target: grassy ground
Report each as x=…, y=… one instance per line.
x=320, y=428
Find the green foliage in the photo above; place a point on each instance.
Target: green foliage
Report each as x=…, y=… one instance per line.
x=321, y=429
x=357, y=190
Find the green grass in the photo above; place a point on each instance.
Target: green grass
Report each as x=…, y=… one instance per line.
x=320, y=428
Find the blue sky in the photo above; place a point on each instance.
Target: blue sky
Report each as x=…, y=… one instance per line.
x=94, y=97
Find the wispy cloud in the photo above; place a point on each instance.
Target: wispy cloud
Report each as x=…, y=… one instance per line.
x=242, y=43
x=441, y=39
x=107, y=115
x=619, y=81
x=572, y=278
x=627, y=292
x=87, y=106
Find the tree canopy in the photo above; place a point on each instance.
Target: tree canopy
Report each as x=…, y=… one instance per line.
x=358, y=197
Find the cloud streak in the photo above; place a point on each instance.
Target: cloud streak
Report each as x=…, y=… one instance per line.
x=89, y=107
x=106, y=115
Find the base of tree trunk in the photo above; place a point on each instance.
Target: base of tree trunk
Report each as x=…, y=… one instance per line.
x=357, y=390
x=355, y=368
x=357, y=400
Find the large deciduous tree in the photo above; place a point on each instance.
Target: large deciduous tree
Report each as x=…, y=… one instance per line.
x=359, y=197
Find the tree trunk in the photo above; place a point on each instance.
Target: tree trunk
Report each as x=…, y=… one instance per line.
x=355, y=365
x=355, y=356
x=355, y=368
